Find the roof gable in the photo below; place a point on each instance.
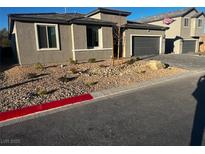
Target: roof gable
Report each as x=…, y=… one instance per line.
x=174, y=14
x=198, y=15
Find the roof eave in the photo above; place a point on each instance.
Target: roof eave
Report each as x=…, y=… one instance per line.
x=92, y=23
x=145, y=27
x=122, y=13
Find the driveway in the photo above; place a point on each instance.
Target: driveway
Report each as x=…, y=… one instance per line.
x=156, y=115
x=188, y=61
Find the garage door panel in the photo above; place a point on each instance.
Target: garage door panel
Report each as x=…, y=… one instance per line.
x=188, y=46
x=145, y=45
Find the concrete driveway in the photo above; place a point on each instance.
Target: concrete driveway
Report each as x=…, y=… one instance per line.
x=155, y=115
x=188, y=61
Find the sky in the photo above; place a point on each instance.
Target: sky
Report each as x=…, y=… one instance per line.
x=137, y=12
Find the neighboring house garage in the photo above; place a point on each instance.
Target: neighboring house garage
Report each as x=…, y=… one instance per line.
x=188, y=46
x=145, y=45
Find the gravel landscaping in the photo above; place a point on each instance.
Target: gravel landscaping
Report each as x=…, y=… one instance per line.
x=22, y=86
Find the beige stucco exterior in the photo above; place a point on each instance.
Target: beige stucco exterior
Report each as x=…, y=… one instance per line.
x=174, y=28
x=186, y=31
x=128, y=33
x=195, y=29
x=120, y=20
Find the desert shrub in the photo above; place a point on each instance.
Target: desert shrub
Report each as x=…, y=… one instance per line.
x=66, y=79
x=103, y=66
x=31, y=75
x=38, y=66
x=41, y=91
x=131, y=61
x=73, y=61
x=91, y=60
x=91, y=83
x=73, y=70
x=138, y=58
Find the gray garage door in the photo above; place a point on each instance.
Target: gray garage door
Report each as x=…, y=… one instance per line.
x=145, y=45
x=188, y=46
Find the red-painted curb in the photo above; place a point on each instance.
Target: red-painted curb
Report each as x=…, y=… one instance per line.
x=42, y=107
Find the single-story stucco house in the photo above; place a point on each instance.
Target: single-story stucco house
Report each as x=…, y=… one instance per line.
x=56, y=38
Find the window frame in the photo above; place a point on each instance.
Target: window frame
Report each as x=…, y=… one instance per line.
x=37, y=40
x=200, y=26
x=187, y=22
x=98, y=30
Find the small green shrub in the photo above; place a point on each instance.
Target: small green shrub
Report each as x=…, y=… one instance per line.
x=38, y=66
x=31, y=75
x=92, y=60
x=41, y=92
x=138, y=58
x=73, y=61
x=91, y=83
x=66, y=79
x=73, y=70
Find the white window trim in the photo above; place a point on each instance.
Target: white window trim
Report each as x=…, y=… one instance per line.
x=184, y=22
x=160, y=42
x=57, y=36
x=198, y=23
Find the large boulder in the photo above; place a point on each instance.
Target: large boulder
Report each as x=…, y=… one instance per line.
x=155, y=65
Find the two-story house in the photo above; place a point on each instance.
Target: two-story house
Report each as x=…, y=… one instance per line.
x=185, y=28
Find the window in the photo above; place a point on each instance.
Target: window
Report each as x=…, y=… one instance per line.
x=92, y=36
x=186, y=22
x=47, y=36
x=199, y=22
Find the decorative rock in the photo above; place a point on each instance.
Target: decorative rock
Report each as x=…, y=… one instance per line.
x=155, y=65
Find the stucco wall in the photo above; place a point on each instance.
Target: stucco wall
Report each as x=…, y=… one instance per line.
x=174, y=28
x=109, y=17
x=107, y=37
x=186, y=31
x=96, y=16
x=195, y=30
x=127, y=39
x=80, y=49
x=27, y=45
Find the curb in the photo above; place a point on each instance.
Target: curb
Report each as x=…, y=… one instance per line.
x=14, y=115
x=120, y=90
x=31, y=112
